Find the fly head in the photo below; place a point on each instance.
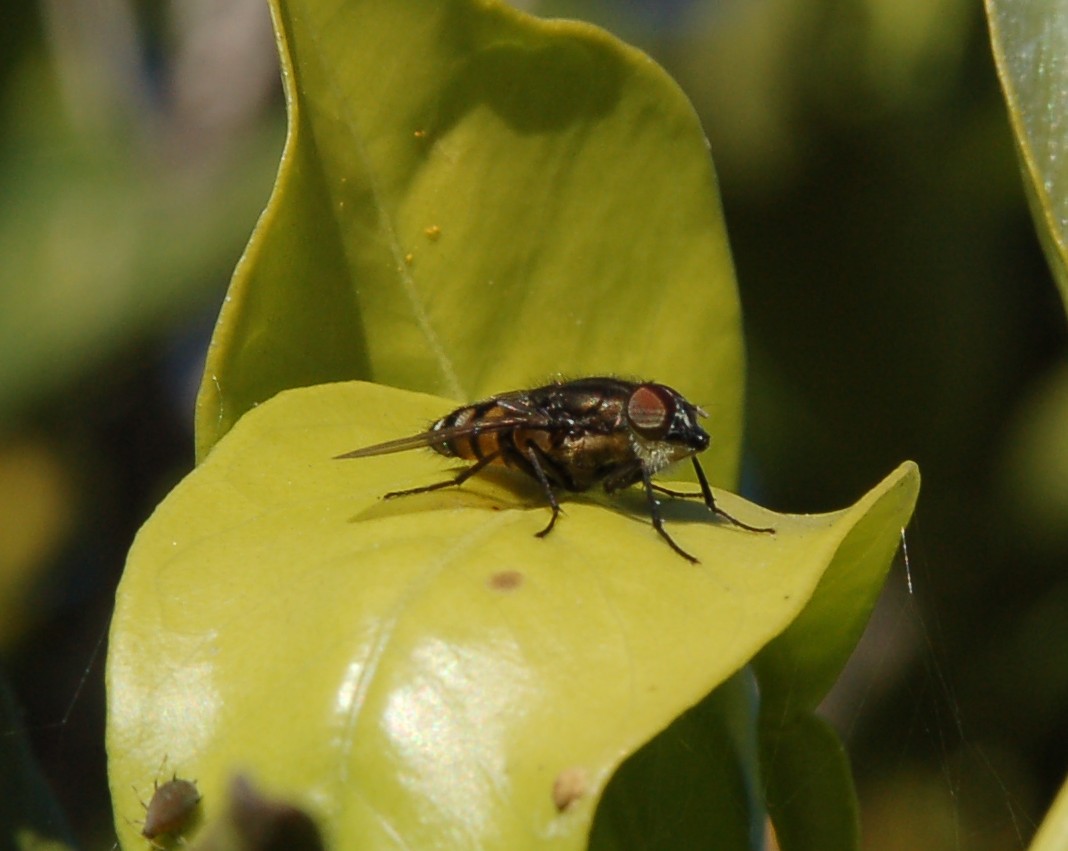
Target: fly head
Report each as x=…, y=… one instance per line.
x=663, y=426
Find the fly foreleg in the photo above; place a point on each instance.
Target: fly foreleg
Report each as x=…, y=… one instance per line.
x=706, y=491
x=460, y=478
x=658, y=522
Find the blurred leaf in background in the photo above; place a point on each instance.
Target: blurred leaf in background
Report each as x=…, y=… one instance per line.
x=1030, y=41
x=35, y=517
x=124, y=195
x=30, y=818
x=138, y=146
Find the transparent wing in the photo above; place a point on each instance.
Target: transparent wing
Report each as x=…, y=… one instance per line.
x=443, y=435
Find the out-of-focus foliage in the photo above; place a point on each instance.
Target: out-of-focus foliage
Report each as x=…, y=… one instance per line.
x=1035, y=469
x=753, y=67
x=122, y=216
x=35, y=516
x=253, y=820
x=1030, y=40
x=30, y=818
x=105, y=238
x=138, y=146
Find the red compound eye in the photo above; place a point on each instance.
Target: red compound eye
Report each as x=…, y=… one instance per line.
x=650, y=410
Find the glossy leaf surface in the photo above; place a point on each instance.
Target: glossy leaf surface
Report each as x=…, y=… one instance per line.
x=419, y=673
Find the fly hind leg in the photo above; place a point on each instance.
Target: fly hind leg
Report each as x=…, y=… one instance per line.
x=459, y=479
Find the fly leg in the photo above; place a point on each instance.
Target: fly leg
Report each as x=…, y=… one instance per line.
x=658, y=523
x=533, y=454
x=675, y=493
x=706, y=491
x=460, y=478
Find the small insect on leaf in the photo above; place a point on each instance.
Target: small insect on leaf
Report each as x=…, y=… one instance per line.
x=573, y=435
x=171, y=809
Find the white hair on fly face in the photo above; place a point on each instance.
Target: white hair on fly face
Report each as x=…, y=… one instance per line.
x=655, y=455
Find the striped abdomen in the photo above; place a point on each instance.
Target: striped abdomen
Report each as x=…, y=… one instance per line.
x=469, y=438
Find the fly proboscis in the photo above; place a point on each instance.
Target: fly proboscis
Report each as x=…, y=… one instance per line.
x=574, y=435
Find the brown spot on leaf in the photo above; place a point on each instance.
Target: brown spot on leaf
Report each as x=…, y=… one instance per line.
x=570, y=785
x=506, y=580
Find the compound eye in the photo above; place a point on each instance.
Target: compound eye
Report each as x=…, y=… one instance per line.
x=650, y=411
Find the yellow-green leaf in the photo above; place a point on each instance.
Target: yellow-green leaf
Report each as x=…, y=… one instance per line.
x=1053, y=832
x=695, y=786
x=809, y=795
x=804, y=765
x=472, y=199
x=420, y=673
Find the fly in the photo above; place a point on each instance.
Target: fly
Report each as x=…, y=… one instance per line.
x=574, y=435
